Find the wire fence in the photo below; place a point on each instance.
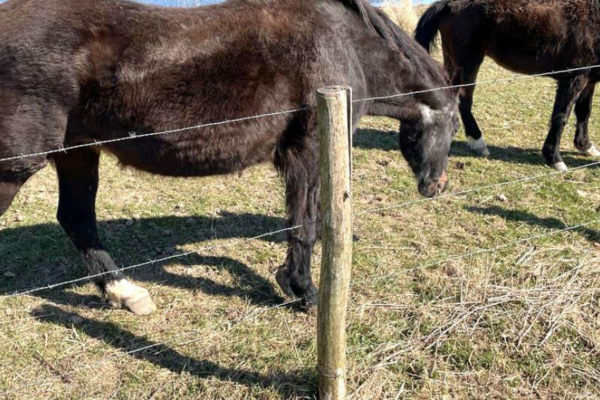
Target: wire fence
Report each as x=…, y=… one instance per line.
x=135, y=135
x=191, y=336
x=178, y=341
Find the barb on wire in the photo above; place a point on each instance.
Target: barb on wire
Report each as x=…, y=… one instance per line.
x=151, y=262
x=135, y=135
x=477, y=189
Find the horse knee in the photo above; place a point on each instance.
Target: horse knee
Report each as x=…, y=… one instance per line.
x=8, y=191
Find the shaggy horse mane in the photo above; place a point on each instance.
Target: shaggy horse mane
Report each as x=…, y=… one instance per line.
x=376, y=20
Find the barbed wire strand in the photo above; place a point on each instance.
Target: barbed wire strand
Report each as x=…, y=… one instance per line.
x=478, y=189
x=515, y=77
x=134, y=135
x=373, y=210
x=180, y=340
x=484, y=251
x=151, y=262
x=190, y=336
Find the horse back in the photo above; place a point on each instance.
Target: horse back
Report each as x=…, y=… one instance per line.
x=528, y=36
x=114, y=69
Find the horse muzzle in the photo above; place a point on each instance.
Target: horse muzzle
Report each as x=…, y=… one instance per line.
x=435, y=187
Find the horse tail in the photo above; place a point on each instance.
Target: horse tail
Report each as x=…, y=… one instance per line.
x=429, y=24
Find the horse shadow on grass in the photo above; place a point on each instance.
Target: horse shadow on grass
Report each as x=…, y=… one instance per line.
x=373, y=139
x=38, y=255
x=518, y=155
x=591, y=235
x=288, y=384
x=42, y=254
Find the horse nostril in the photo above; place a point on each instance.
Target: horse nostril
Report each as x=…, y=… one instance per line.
x=441, y=186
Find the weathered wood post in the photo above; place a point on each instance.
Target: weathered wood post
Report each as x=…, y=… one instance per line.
x=334, y=116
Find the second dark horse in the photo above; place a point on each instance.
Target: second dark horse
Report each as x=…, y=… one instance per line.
x=77, y=71
x=525, y=36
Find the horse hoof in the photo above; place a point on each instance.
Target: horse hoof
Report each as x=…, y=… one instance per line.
x=484, y=153
x=479, y=147
x=143, y=306
x=309, y=302
x=123, y=294
x=591, y=152
x=283, y=280
x=560, y=166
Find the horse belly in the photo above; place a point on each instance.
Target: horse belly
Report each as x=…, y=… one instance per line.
x=196, y=154
x=530, y=47
x=527, y=59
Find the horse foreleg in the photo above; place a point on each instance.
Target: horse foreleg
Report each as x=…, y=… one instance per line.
x=302, y=198
x=78, y=184
x=583, y=109
x=568, y=90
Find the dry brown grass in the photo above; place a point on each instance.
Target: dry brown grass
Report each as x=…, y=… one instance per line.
x=402, y=13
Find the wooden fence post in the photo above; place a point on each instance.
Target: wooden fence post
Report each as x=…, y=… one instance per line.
x=334, y=116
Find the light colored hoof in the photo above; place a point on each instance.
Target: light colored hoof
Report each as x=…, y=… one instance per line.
x=591, y=152
x=143, y=306
x=123, y=294
x=482, y=152
x=479, y=147
x=560, y=166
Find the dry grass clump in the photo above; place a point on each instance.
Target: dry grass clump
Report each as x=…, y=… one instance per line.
x=402, y=13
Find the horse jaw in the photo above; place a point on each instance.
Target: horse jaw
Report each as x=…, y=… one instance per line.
x=123, y=294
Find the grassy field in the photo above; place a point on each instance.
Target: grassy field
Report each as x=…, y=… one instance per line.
x=519, y=322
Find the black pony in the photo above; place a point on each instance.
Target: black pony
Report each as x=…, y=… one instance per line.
x=73, y=72
x=526, y=36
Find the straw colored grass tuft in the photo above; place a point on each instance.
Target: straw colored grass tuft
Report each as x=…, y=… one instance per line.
x=402, y=13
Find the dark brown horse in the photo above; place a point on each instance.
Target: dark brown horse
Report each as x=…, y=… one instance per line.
x=526, y=36
x=77, y=71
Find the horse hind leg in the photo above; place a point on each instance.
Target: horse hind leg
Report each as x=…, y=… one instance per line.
x=462, y=62
x=78, y=184
x=583, y=110
x=566, y=94
x=474, y=135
